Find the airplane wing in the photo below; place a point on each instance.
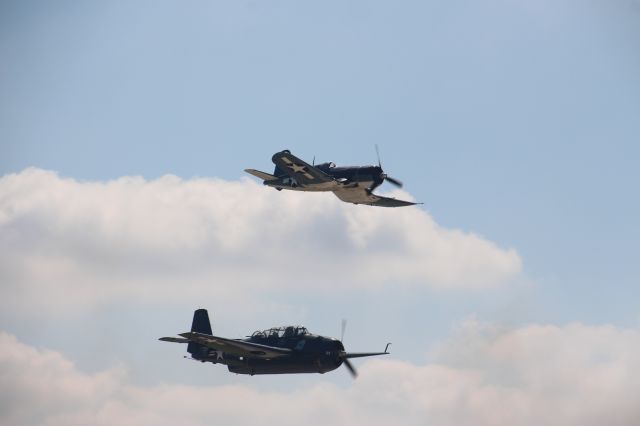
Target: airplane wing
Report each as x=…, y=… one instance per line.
x=174, y=339
x=236, y=347
x=261, y=175
x=362, y=196
x=363, y=354
x=304, y=173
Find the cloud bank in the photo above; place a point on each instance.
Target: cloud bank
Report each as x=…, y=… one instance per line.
x=483, y=375
x=170, y=238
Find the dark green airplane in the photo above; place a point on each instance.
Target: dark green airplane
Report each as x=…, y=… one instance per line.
x=279, y=350
x=354, y=184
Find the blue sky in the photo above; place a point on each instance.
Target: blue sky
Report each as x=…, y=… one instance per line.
x=517, y=121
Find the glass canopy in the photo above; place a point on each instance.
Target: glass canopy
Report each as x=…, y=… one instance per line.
x=278, y=332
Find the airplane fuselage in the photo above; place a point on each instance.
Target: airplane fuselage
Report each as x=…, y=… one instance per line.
x=312, y=363
x=358, y=176
x=311, y=354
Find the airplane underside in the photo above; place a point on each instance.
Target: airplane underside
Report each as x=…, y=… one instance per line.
x=283, y=366
x=271, y=366
x=292, y=185
x=355, y=192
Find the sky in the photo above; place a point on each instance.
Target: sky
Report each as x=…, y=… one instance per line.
x=509, y=296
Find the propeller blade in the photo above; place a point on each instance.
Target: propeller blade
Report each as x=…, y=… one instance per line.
x=344, y=327
x=350, y=367
x=384, y=176
x=396, y=182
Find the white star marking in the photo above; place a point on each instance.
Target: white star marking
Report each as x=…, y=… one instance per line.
x=297, y=168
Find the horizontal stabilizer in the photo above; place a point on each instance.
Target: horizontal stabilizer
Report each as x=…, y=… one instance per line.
x=261, y=175
x=174, y=339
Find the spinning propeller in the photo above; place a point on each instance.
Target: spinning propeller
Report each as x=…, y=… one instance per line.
x=342, y=355
x=385, y=176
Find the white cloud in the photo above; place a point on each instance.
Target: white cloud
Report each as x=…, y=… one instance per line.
x=483, y=375
x=169, y=238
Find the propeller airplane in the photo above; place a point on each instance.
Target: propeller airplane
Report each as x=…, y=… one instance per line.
x=353, y=184
x=278, y=350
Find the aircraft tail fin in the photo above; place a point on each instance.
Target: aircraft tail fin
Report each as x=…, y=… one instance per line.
x=200, y=324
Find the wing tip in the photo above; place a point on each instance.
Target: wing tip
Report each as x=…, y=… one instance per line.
x=174, y=339
x=261, y=175
x=393, y=202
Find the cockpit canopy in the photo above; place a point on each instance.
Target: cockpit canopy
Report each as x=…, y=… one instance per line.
x=326, y=166
x=278, y=332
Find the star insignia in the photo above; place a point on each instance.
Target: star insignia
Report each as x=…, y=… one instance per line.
x=297, y=168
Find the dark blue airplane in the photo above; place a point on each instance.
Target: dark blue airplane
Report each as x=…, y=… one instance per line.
x=351, y=184
x=278, y=350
